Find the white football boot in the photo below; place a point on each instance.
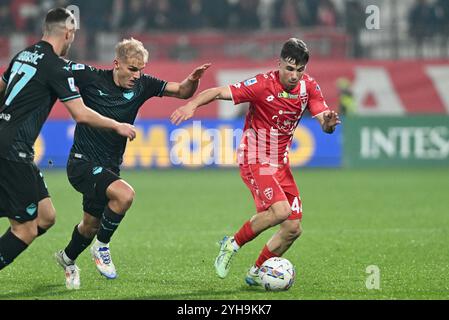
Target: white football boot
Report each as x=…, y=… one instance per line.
x=102, y=257
x=72, y=272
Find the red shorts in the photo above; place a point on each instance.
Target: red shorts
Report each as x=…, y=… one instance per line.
x=270, y=184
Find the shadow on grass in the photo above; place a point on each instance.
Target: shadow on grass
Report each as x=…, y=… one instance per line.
x=205, y=294
x=42, y=292
x=59, y=292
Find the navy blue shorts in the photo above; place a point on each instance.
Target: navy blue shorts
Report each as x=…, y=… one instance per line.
x=22, y=186
x=91, y=180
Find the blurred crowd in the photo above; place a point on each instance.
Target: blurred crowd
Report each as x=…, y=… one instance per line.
x=425, y=16
x=144, y=15
x=426, y=19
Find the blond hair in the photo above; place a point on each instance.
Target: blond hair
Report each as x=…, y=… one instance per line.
x=131, y=48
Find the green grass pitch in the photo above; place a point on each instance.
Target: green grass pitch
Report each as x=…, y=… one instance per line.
x=396, y=219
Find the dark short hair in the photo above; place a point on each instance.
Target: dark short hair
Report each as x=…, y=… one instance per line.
x=295, y=50
x=57, y=16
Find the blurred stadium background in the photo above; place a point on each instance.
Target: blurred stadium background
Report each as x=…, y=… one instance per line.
x=387, y=165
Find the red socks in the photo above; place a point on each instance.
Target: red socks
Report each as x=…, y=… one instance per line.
x=264, y=256
x=245, y=234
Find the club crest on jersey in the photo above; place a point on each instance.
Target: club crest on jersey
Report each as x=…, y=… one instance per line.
x=268, y=192
x=304, y=97
x=250, y=82
x=128, y=95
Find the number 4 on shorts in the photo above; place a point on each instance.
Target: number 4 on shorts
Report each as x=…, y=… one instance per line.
x=295, y=205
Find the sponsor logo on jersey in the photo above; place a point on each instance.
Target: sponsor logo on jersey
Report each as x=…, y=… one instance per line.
x=101, y=93
x=237, y=85
x=286, y=112
x=283, y=125
x=250, y=82
x=287, y=95
x=270, y=98
x=5, y=116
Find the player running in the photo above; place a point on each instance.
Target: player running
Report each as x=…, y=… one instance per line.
x=278, y=99
x=93, y=166
x=35, y=78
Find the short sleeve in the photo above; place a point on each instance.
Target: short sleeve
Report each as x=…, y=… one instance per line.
x=248, y=90
x=317, y=104
x=62, y=82
x=153, y=87
x=83, y=74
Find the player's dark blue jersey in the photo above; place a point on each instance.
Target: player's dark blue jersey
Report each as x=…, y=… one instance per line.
x=35, y=78
x=101, y=94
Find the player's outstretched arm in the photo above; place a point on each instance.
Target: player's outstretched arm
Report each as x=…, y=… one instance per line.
x=186, y=88
x=82, y=114
x=328, y=120
x=187, y=111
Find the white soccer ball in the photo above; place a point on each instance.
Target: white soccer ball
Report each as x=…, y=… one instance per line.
x=277, y=274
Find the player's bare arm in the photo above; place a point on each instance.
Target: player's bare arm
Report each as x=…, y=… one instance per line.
x=187, y=111
x=186, y=88
x=83, y=114
x=328, y=120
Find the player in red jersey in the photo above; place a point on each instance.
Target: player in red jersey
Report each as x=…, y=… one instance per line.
x=277, y=100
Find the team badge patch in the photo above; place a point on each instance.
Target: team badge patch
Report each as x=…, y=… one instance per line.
x=31, y=209
x=268, y=192
x=304, y=98
x=72, y=84
x=78, y=66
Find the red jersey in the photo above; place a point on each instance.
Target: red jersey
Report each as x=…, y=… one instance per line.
x=273, y=115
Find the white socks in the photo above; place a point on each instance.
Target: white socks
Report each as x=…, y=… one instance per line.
x=234, y=244
x=99, y=244
x=66, y=259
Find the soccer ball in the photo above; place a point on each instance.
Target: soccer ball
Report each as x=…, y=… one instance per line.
x=277, y=274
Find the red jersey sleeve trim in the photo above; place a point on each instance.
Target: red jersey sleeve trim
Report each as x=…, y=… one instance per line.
x=232, y=94
x=313, y=116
